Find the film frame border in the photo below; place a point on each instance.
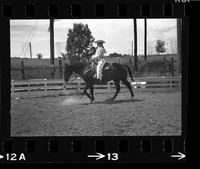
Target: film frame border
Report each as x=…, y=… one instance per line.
x=59, y=147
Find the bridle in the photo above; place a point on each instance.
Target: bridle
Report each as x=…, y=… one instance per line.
x=85, y=71
x=81, y=74
x=73, y=79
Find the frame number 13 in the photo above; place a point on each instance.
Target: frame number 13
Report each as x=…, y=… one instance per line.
x=113, y=156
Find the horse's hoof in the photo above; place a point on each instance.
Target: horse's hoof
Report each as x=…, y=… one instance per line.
x=110, y=99
x=92, y=101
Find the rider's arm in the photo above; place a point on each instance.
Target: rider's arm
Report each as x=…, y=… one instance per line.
x=99, y=53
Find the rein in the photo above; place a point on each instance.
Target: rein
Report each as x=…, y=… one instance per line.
x=85, y=71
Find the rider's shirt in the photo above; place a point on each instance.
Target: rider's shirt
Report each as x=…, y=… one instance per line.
x=99, y=53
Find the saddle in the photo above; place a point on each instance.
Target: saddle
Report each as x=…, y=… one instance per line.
x=107, y=66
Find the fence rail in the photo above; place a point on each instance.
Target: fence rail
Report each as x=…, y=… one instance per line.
x=140, y=84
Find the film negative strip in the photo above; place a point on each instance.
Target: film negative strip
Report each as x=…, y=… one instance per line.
x=45, y=116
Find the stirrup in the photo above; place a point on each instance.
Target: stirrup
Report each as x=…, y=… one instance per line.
x=101, y=80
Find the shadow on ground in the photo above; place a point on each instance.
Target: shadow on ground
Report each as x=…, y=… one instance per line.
x=110, y=101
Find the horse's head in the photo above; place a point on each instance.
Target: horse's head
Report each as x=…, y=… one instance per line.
x=77, y=68
x=68, y=72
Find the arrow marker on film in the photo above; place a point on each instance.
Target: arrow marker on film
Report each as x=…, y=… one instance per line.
x=98, y=156
x=1, y=156
x=180, y=156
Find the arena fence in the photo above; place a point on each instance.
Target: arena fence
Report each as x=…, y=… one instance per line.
x=140, y=84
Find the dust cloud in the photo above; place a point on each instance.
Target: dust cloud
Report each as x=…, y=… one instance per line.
x=72, y=100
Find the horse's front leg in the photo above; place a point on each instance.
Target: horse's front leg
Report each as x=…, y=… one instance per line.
x=87, y=94
x=92, y=93
x=117, y=85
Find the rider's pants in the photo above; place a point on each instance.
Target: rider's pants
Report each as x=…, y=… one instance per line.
x=99, y=68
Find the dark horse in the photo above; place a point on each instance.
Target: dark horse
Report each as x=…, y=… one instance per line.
x=115, y=72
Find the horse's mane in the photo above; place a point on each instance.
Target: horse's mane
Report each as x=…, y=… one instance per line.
x=79, y=67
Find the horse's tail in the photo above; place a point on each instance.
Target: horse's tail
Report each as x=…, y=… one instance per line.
x=130, y=73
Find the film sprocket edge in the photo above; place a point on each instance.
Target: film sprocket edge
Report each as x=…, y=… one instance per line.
x=48, y=114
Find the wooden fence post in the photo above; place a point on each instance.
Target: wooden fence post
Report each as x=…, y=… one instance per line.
x=170, y=82
x=78, y=86
x=108, y=85
x=22, y=70
x=179, y=82
x=172, y=66
x=12, y=86
x=165, y=65
x=60, y=67
x=29, y=87
x=45, y=85
x=64, y=85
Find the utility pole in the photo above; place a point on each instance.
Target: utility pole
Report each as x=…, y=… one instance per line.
x=51, y=42
x=135, y=43
x=145, y=39
x=132, y=48
x=51, y=29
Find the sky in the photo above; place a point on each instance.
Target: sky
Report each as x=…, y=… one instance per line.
x=117, y=33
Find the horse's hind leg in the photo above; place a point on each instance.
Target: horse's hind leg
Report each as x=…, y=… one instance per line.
x=129, y=87
x=117, y=84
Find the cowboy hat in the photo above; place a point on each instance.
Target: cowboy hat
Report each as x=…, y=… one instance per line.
x=100, y=41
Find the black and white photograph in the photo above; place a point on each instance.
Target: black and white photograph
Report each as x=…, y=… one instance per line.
x=96, y=77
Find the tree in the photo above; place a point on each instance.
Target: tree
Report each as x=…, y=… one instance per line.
x=63, y=55
x=115, y=55
x=65, y=58
x=39, y=55
x=160, y=46
x=79, y=43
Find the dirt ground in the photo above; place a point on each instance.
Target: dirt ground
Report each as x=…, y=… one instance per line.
x=148, y=114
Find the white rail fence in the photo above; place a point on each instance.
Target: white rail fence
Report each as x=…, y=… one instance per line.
x=140, y=84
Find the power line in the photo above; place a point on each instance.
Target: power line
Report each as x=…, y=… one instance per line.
x=28, y=37
x=32, y=35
